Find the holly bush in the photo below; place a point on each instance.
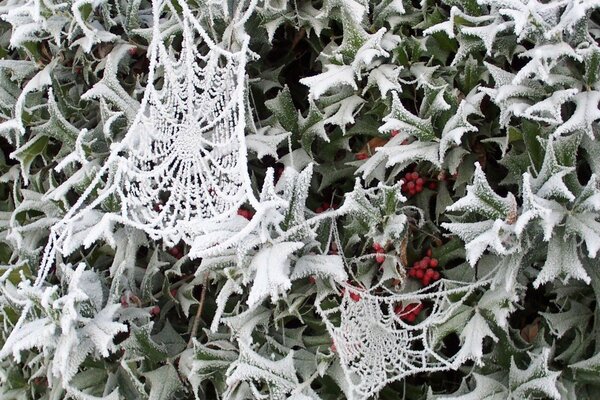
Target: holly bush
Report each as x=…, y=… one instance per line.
x=433, y=229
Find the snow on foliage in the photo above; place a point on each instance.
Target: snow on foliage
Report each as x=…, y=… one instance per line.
x=299, y=199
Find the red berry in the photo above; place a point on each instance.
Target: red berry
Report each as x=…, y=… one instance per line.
x=426, y=281
x=419, y=274
x=428, y=253
x=436, y=275
x=132, y=51
x=394, y=132
x=415, y=176
x=380, y=258
x=408, y=177
x=355, y=296
x=419, y=189
x=312, y=280
x=424, y=263
x=420, y=181
x=173, y=292
x=154, y=311
x=429, y=273
x=433, y=263
x=410, y=185
x=377, y=247
x=333, y=347
x=361, y=156
x=432, y=185
x=411, y=272
x=412, y=192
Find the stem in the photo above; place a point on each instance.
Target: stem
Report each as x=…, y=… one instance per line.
x=198, y=312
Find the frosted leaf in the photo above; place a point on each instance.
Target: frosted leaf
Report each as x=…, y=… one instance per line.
x=487, y=33
x=536, y=378
x=271, y=269
x=404, y=154
x=562, y=261
x=498, y=301
x=385, y=77
x=588, y=228
x=480, y=236
x=265, y=141
x=370, y=50
x=92, y=35
x=101, y=329
x=577, y=316
x=34, y=334
x=549, y=212
x=458, y=124
x=229, y=288
x=332, y=77
x=586, y=113
x=486, y=388
x=342, y=113
x=543, y=59
x=401, y=119
x=549, y=110
x=472, y=337
x=320, y=265
x=280, y=376
x=483, y=200
x=549, y=181
x=376, y=346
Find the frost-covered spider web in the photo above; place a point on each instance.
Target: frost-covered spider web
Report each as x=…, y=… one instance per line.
x=184, y=158
x=375, y=343
x=183, y=161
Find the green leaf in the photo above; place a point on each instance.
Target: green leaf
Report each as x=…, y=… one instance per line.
x=164, y=383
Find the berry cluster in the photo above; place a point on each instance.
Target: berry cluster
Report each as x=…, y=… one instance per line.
x=408, y=313
x=424, y=269
x=414, y=183
x=245, y=213
x=379, y=251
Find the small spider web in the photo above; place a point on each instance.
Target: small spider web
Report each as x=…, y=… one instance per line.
x=375, y=344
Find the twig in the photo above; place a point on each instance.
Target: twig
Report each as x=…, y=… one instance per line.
x=198, y=312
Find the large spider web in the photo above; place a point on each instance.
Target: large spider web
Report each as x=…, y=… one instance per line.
x=184, y=157
x=183, y=161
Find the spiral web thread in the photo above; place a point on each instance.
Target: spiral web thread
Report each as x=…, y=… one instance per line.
x=183, y=162
x=184, y=158
x=375, y=345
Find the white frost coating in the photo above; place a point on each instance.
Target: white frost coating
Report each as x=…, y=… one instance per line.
x=376, y=347
x=184, y=158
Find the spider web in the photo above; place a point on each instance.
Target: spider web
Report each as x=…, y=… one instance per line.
x=182, y=165
x=184, y=157
x=376, y=346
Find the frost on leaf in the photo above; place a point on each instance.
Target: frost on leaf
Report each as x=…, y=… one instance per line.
x=332, y=77
x=270, y=268
x=279, y=376
x=562, y=261
x=321, y=265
